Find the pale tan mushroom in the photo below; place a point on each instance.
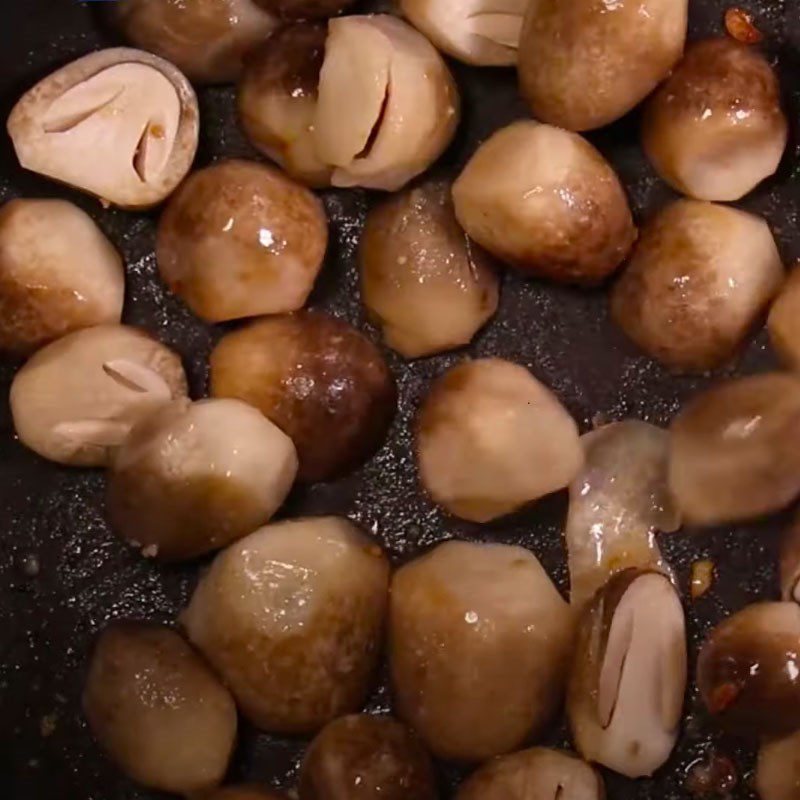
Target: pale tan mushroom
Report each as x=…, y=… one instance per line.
x=490, y=439
x=481, y=32
x=120, y=124
x=783, y=322
x=629, y=674
x=617, y=503
x=388, y=105
x=58, y=273
x=76, y=400
x=778, y=770
x=479, y=644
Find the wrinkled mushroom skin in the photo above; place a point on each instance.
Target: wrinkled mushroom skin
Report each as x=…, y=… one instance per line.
x=157, y=710
x=206, y=39
x=700, y=277
x=58, y=274
x=363, y=757
x=629, y=674
x=318, y=379
x=239, y=239
x=194, y=477
x=426, y=285
x=304, y=9
x=277, y=100
x=783, y=322
x=585, y=64
x=734, y=451
x=535, y=774
x=490, y=439
x=291, y=617
x=617, y=503
x=480, y=32
x=76, y=400
x=546, y=202
x=778, y=771
x=388, y=105
x=747, y=670
x=120, y=124
x=479, y=644
x=715, y=129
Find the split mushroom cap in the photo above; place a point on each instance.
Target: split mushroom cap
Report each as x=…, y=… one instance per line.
x=321, y=381
x=715, y=129
x=304, y=9
x=423, y=282
x=239, y=239
x=545, y=201
x=735, y=450
x=76, y=400
x=479, y=644
x=700, y=277
x=481, y=32
x=534, y=774
x=120, y=124
x=617, y=503
x=629, y=674
x=584, y=64
x=193, y=477
x=277, y=100
x=58, y=274
x=783, y=322
x=158, y=710
x=778, y=771
x=364, y=757
x=747, y=670
x=291, y=617
x=388, y=105
x=206, y=39
x=490, y=439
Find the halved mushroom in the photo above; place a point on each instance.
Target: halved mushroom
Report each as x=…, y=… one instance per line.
x=318, y=379
x=778, y=770
x=480, y=639
x=715, y=129
x=304, y=9
x=120, y=124
x=748, y=670
x=783, y=322
x=426, y=285
x=206, y=39
x=291, y=617
x=277, y=100
x=544, y=200
x=490, y=439
x=193, y=477
x=735, y=450
x=388, y=105
x=700, y=277
x=617, y=503
x=239, y=239
x=534, y=774
x=366, y=757
x=158, y=710
x=76, y=400
x=585, y=64
x=481, y=32
x=58, y=274
x=629, y=674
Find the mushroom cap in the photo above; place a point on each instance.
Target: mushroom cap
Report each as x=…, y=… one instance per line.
x=490, y=439
x=193, y=477
x=547, y=202
x=699, y=278
x=292, y=617
x=76, y=399
x=423, y=282
x=715, y=128
x=479, y=643
x=58, y=273
x=120, y=124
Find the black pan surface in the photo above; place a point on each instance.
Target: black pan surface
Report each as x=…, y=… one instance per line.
x=63, y=574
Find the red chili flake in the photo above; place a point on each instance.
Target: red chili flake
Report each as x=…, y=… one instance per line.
x=739, y=24
x=714, y=775
x=723, y=696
